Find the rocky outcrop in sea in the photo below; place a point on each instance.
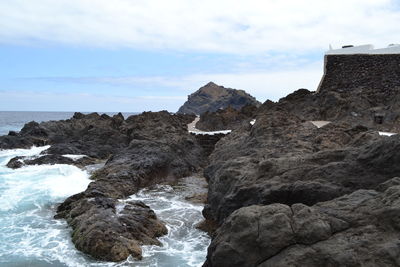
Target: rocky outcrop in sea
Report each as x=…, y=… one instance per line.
x=213, y=97
x=138, y=152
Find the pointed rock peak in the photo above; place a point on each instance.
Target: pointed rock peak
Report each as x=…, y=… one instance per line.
x=212, y=97
x=211, y=84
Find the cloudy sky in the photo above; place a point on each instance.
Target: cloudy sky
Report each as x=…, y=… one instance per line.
x=135, y=55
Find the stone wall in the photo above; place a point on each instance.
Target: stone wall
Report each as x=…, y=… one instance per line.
x=361, y=71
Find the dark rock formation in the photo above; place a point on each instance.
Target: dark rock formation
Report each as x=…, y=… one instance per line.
x=94, y=135
x=208, y=141
x=226, y=119
x=360, y=229
x=140, y=151
x=212, y=97
x=286, y=193
x=359, y=89
x=159, y=150
x=110, y=231
x=282, y=159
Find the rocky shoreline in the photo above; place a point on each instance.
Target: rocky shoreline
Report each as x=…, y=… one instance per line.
x=282, y=190
x=140, y=151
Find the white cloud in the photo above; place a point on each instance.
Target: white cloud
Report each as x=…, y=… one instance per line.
x=261, y=84
x=241, y=26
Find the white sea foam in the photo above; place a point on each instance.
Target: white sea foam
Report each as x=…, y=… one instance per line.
x=386, y=133
x=211, y=132
x=30, y=236
x=6, y=155
x=28, y=233
x=74, y=157
x=184, y=245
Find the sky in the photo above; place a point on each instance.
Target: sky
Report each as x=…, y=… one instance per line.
x=142, y=55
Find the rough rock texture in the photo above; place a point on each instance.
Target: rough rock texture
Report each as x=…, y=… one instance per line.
x=110, y=231
x=373, y=108
x=360, y=89
x=286, y=193
x=140, y=151
x=360, y=229
x=159, y=150
x=212, y=97
x=282, y=159
x=226, y=119
x=358, y=72
x=208, y=141
x=93, y=135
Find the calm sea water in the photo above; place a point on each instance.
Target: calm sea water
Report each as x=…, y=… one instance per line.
x=29, y=236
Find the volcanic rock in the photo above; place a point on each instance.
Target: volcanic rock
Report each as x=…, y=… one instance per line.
x=226, y=119
x=359, y=229
x=140, y=151
x=159, y=149
x=283, y=159
x=212, y=97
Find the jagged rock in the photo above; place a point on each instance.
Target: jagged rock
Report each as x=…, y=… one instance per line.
x=212, y=97
x=51, y=159
x=267, y=175
x=15, y=163
x=226, y=119
x=282, y=159
x=371, y=107
x=160, y=150
x=141, y=151
x=360, y=229
x=110, y=231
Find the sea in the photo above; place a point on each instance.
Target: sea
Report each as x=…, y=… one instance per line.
x=30, y=236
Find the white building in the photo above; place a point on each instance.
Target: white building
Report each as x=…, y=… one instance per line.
x=364, y=49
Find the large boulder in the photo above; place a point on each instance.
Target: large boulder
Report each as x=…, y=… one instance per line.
x=213, y=97
x=108, y=229
x=359, y=229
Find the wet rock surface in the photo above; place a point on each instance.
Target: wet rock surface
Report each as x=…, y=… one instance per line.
x=107, y=232
x=213, y=97
x=140, y=151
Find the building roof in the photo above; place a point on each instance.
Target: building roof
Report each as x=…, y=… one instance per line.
x=364, y=49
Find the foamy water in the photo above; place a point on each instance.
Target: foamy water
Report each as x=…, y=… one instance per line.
x=29, y=236
x=184, y=245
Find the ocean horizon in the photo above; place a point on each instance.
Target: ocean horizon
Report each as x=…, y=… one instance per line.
x=15, y=120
